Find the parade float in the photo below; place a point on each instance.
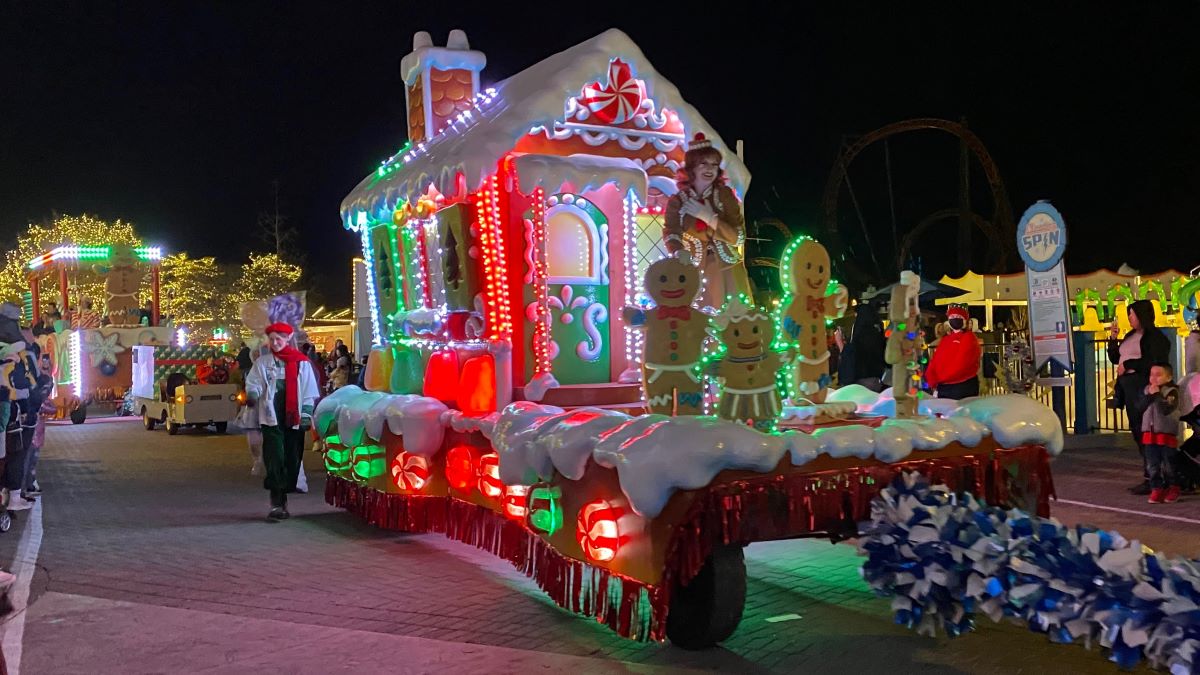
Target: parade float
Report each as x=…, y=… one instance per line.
x=522, y=308
x=90, y=352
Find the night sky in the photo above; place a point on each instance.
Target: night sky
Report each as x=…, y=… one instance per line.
x=178, y=116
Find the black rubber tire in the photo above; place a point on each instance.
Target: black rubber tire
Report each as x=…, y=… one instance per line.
x=172, y=428
x=79, y=415
x=222, y=427
x=147, y=421
x=709, y=608
x=5, y=522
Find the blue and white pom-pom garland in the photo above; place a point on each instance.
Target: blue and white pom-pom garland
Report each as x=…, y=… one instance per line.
x=943, y=559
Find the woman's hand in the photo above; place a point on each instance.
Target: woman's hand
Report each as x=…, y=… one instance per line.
x=699, y=210
x=1114, y=331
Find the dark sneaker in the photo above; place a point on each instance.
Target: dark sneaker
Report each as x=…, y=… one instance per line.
x=1142, y=488
x=277, y=513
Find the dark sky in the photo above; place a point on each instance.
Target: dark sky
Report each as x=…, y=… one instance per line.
x=179, y=115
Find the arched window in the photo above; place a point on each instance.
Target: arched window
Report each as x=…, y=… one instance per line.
x=576, y=239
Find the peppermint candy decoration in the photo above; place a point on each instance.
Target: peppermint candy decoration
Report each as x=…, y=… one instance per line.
x=489, y=476
x=410, y=472
x=598, y=530
x=619, y=100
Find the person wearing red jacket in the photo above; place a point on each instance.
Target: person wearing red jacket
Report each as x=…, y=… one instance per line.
x=953, y=371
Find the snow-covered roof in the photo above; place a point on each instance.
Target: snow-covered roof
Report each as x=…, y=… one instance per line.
x=583, y=172
x=533, y=97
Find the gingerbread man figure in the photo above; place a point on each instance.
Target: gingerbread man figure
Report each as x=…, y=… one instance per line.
x=675, y=334
x=749, y=365
x=904, y=344
x=806, y=273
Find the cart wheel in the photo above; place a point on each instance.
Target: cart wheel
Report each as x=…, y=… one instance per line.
x=79, y=414
x=148, y=421
x=172, y=428
x=6, y=521
x=222, y=427
x=709, y=608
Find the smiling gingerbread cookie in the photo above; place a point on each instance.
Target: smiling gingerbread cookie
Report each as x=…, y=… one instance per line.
x=674, y=337
x=749, y=365
x=811, y=300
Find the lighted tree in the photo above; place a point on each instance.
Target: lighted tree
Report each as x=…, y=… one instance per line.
x=193, y=293
x=82, y=230
x=264, y=276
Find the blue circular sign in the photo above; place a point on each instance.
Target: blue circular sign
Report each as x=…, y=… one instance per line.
x=1041, y=237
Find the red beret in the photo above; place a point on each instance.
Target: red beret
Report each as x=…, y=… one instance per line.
x=279, y=327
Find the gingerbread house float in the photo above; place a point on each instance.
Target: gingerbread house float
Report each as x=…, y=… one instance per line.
x=504, y=237
x=500, y=244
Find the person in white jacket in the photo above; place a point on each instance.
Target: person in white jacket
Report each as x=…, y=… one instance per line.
x=283, y=390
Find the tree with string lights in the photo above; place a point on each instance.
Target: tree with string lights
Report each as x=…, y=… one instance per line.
x=81, y=230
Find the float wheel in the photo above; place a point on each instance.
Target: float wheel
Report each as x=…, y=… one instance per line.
x=147, y=420
x=79, y=414
x=5, y=521
x=221, y=427
x=172, y=428
x=708, y=609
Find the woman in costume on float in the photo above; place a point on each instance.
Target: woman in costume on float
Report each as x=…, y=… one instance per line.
x=283, y=389
x=1143, y=346
x=705, y=219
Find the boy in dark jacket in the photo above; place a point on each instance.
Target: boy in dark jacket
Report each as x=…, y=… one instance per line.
x=1160, y=427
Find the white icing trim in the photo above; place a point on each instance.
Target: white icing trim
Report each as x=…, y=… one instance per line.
x=442, y=58
x=583, y=172
x=531, y=98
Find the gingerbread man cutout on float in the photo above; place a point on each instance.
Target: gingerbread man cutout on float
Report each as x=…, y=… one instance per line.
x=749, y=366
x=810, y=300
x=905, y=344
x=674, y=333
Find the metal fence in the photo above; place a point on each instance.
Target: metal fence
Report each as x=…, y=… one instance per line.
x=1098, y=378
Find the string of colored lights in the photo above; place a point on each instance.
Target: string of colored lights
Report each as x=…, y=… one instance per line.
x=77, y=363
x=541, y=328
x=491, y=245
x=369, y=259
x=461, y=123
x=92, y=253
x=419, y=231
x=399, y=268
x=634, y=339
x=431, y=230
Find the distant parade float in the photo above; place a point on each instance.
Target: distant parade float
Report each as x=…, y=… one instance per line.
x=545, y=385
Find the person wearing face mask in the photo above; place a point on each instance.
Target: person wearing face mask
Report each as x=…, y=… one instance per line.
x=283, y=389
x=705, y=218
x=953, y=370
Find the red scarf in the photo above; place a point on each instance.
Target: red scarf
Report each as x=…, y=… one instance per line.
x=291, y=358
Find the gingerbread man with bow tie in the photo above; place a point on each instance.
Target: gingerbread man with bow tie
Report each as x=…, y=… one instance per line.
x=811, y=300
x=675, y=333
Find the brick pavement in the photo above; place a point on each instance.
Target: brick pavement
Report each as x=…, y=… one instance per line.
x=178, y=522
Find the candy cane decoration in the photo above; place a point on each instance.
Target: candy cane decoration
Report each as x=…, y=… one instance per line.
x=410, y=472
x=619, y=100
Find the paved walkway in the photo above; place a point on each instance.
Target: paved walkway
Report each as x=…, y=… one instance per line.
x=157, y=558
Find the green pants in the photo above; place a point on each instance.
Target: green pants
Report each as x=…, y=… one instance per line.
x=282, y=451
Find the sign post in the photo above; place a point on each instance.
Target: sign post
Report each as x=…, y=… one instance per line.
x=1042, y=241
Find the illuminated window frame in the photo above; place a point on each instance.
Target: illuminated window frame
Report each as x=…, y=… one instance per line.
x=596, y=232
